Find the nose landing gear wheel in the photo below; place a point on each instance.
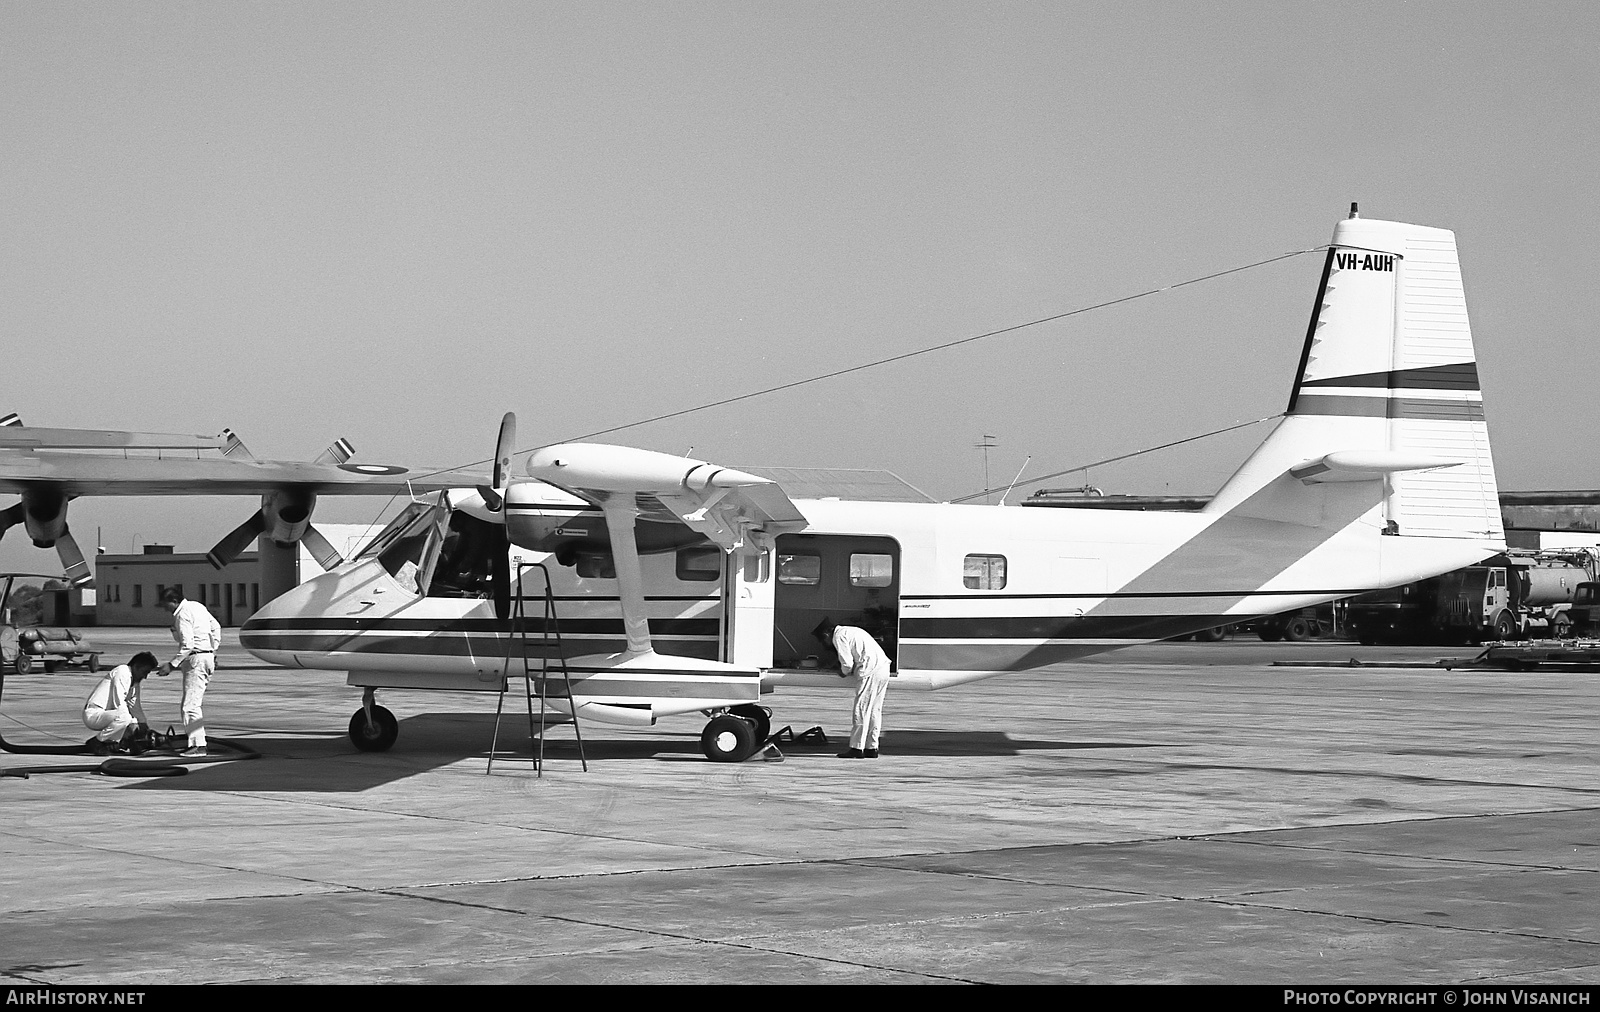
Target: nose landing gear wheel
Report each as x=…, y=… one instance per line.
x=728, y=739
x=377, y=736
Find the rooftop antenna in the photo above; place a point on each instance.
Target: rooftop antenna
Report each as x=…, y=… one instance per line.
x=1353, y=212
x=986, y=444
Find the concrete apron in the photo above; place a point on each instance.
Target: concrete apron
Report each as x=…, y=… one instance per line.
x=1173, y=813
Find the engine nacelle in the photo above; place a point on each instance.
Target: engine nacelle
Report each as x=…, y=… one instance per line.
x=285, y=515
x=44, y=515
x=543, y=519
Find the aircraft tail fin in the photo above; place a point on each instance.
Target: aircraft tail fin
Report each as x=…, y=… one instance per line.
x=1387, y=390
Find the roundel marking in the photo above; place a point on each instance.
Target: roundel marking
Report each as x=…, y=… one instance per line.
x=374, y=468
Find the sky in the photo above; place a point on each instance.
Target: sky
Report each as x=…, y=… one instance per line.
x=394, y=222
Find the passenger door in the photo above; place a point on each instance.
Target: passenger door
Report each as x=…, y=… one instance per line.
x=854, y=580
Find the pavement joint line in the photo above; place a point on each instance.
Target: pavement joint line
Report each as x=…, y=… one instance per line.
x=1523, y=973
x=695, y=939
x=1347, y=774
x=1399, y=922
x=273, y=798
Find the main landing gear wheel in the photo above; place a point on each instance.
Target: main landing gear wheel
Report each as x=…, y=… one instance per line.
x=758, y=715
x=377, y=736
x=728, y=739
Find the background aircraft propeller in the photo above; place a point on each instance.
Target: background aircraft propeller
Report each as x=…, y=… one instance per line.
x=43, y=513
x=284, y=516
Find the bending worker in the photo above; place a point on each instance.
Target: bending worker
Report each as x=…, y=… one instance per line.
x=860, y=655
x=112, y=710
x=198, y=636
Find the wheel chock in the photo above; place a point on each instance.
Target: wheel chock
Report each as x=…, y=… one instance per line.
x=814, y=735
x=767, y=753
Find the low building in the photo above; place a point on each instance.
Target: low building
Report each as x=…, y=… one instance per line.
x=128, y=588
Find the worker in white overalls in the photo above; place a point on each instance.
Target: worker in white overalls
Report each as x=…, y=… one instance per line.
x=198, y=636
x=860, y=655
x=112, y=710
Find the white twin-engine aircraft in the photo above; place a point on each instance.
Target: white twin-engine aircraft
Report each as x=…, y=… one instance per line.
x=681, y=587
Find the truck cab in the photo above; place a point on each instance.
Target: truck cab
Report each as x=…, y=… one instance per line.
x=1585, y=610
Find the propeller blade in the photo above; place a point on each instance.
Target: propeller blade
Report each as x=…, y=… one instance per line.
x=326, y=555
x=11, y=419
x=72, y=562
x=228, y=549
x=492, y=500
x=236, y=447
x=11, y=517
x=338, y=453
x=504, y=447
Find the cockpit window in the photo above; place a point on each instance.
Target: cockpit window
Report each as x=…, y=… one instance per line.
x=393, y=530
x=407, y=547
x=466, y=560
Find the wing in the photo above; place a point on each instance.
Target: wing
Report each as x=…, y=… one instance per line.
x=50, y=467
x=87, y=473
x=732, y=508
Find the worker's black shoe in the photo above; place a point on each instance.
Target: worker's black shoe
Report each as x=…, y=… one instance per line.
x=870, y=753
x=94, y=746
x=851, y=753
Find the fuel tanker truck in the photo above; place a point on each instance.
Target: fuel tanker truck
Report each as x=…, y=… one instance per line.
x=1517, y=595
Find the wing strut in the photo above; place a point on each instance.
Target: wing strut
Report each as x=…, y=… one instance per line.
x=621, y=511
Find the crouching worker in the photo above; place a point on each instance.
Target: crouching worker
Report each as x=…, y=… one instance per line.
x=112, y=710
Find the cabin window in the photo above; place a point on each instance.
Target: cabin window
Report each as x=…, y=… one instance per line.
x=703, y=564
x=802, y=570
x=871, y=570
x=983, y=572
x=596, y=566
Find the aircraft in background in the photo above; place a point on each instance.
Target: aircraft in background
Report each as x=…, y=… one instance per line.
x=681, y=587
x=49, y=467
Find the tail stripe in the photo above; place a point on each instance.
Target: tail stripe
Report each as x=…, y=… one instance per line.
x=1456, y=376
x=1431, y=408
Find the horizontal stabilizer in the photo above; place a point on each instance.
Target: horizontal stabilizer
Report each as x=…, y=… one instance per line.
x=1364, y=465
